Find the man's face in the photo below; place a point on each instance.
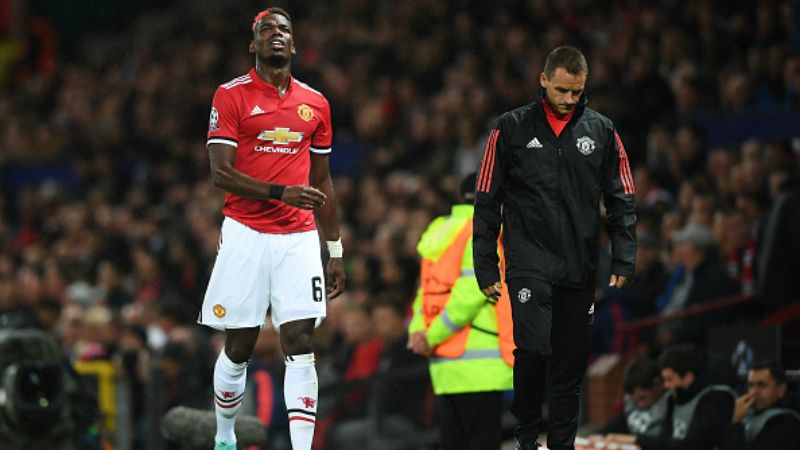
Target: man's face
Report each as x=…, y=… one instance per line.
x=644, y=398
x=272, y=40
x=563, y=90
x=762, y=386
x=674, y=381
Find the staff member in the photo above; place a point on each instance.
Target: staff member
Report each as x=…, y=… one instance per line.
x=545, y=168
x=697, y=411
x=466, y=335
x=646, y=400
x=761, y=419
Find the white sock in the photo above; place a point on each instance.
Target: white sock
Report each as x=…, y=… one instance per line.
x=300, y=392
x=229, y=383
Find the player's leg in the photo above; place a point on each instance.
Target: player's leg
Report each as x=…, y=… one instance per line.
x=300, y=388
x=571, y=344
x=236, y=301
x=230, y=377
x=531, y=309
x=297, y=296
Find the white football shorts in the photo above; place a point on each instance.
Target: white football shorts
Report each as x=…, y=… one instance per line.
x=255, y=272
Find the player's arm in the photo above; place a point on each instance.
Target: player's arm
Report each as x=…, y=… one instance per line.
x=489, y=196
x=230, y=179
x=320, y=178
x=618, y=192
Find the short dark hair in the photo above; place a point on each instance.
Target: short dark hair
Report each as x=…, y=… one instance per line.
x=775, y=370
x=568, y=57
x=281, y=11
x=683, y=359
x=271, y=10
x=640, y=373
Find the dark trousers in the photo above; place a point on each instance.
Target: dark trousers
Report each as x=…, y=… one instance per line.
x=471, y=421
x=552, y=332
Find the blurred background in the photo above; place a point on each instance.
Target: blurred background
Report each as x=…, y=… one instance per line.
x=109, y=221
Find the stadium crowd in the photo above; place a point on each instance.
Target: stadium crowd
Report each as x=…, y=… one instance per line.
x=109, y=220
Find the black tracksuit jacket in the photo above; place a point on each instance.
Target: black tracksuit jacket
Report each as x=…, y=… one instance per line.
x=546, y=191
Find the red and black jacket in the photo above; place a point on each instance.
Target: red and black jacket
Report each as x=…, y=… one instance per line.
x=546, y=190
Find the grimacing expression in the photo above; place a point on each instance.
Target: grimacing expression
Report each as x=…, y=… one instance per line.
x=563, y=89
x=766, y=391
x=272, y=40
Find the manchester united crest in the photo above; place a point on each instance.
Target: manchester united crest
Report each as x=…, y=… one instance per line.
x=585, y=145
x=305, y=112
x=219, y=311
x=524, y=295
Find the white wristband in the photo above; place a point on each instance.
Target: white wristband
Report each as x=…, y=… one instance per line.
x=335, y=248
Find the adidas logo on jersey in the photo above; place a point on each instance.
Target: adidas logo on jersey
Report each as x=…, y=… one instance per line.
x=534, y=143
x=256, y=110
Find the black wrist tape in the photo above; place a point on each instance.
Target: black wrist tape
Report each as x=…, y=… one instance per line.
x=276, y=191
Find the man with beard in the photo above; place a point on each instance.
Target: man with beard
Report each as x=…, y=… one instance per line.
x=269, y=137
x=545, y=168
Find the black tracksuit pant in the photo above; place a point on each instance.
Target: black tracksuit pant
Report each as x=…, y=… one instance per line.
x=471, y=421
x=552, y=333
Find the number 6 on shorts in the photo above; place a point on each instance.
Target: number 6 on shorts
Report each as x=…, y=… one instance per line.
x=316, y=287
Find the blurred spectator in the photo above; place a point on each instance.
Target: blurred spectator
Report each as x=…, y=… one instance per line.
x=697, y=277
x=737, y=247
x=398, y=402
x=356, y=360
x=639, y=297
x=401, y=399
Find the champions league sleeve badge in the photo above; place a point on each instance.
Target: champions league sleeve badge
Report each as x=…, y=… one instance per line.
x=213, y=120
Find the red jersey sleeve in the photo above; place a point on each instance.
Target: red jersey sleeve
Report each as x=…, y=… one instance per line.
x=322, y=140
x=223, y=124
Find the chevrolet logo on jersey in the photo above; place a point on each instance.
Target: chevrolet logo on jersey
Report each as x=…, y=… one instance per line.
x=281, y=135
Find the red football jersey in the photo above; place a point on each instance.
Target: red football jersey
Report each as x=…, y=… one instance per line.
x=273, y=136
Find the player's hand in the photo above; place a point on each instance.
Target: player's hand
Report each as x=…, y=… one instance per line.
x=418, y=343
x=617, y=281
x=334, y=274
x=492, y=292
x=305, y=197
x=743, y=404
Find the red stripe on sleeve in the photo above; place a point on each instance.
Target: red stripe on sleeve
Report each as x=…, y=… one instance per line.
x=485, y=163
x=624, y=168
x=491, y=166
x=487, y=166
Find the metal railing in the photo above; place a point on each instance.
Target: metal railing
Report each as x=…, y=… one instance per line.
x=631, y=329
